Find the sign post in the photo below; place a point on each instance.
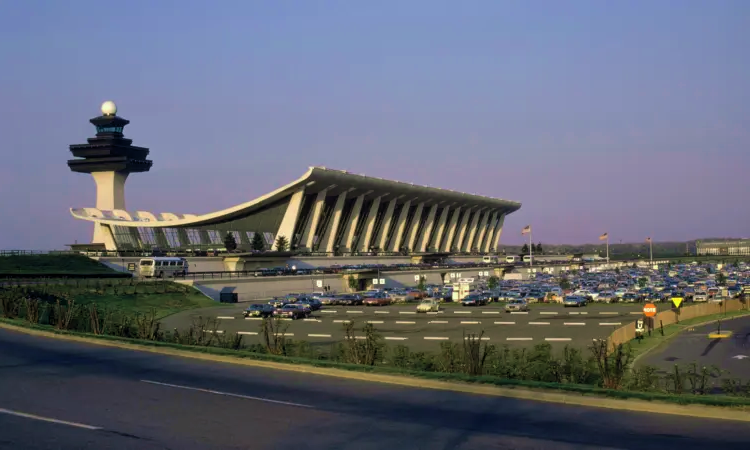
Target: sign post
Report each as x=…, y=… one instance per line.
x=639, y=329
x=676, y=303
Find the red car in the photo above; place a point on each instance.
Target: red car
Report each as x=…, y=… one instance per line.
x=378, y=299
x=293, y=311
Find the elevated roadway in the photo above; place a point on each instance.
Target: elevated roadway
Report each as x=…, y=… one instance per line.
x=62, y=395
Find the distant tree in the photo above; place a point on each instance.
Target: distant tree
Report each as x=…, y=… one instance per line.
x=617, y=270
x=493, y=282
x=564, y=284
x=525, y=249
x=230, y=243
x=422, y=284
x=721, y=279
x=539, y=250
x=353, y=283
x=642, y=282
x=281, y=244
x=258, y=243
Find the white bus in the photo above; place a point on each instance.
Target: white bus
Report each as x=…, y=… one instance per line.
x=160, y=267
x=489, y=259
x=528, y=259
x=512, y=259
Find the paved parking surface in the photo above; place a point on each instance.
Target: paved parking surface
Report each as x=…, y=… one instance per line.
x=401, y=324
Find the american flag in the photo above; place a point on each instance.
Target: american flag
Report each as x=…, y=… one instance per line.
x=526, y=230
x=648, y=239
x=604, y=237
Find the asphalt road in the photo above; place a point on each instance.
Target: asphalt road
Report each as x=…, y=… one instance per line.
x=62, y=395
x=402, y=325
x=731, y=354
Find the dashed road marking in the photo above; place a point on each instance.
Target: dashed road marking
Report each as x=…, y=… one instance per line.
x=519, y=339
x=548, y=312
x=407, y=312
x=461, y=312
x=438, y=321
x=574, y=323
x=311, y=320
x=519, y=312
x=227, y=394
x=610, y=323
x=382, y=312
x=578, y=312
x=10, y=412
x=609, y=312
x=470, y=322
x=538, y=323
x=329, y=311
x=249, y=333
x=482, y=338
x=354, y=312
x=214, y=331
x=319, y=335
x=404, y=322
x=341, y=321
x=253, y=318
x=225, y=317
x=490, y=312
x=395, y=338
x=557, y=339
x=505, y=323
x=637, y=312
x=374, y=321
x=435, y=338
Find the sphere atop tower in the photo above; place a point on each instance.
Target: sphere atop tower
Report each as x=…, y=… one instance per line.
x=109, y=108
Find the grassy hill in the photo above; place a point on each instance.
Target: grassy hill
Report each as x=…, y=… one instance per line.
x=69, y=264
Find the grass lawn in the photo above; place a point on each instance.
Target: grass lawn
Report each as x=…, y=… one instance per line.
x=164, y=304
x=656, y=339
x=51, y=264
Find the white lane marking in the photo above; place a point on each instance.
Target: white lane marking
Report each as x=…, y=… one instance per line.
x=319, y=335
x=341, y=321
x=225, y=317
x=574, y=323
x=557, y=339
x=311, y=320
x=328, y=311
x=610, y=323
x=547, y=312
x=394, y=338
x=637, y=312
x=470, y=322
x=578, y=312
x=519, y=312
x=407, y=312
x=354, y=312
x=249, y=333
x=10, y=412
x=434, y=312
x=360, y=337
x=226, y=394
x=519, y=339
x=382, y=312
x=404, y=322
x=212, y=331
x=482, y=338
x=253, y=318
x=505, y=323
x=538, y=323
x=374, y=321
x=610, y=312
x=438, y=321
x=490, y=312
x=461, y=312
x=435, y=338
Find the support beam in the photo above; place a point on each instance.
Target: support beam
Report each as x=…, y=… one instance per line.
x=472, y=231
x=450, y=231
x=477, y=244
x=425, y=237
x=411, y=237
x=400, y=227
x=382, y=237
x=364, y=241
x=351, y=227
x=329, y=235
x=308, y=235
x=291, y=216
x=437, y=237
x=486, y=241
x=498, y=232
x=462, y=230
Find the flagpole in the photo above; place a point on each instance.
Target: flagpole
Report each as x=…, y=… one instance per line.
x=531, y=257
x=651, y=250
x=607, y=248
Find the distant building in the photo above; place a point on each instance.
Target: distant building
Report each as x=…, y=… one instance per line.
x=730, y=248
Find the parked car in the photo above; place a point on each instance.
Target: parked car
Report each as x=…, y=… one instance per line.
x=428, y=305
x=292, y=311
x=517, y=306
x=607, y=297
x=378, y=299
x=350, y=299
x=630, y=297
x=278, y=302
x=586, y=294
x=575, y=301
x=313, y=303
x=259, y=310
x=474, y=300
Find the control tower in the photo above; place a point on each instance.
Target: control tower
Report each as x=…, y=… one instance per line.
x=109, y=158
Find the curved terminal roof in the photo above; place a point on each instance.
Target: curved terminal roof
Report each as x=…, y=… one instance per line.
x=313, y=181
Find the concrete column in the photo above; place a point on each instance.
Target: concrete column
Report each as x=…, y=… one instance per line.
x=291, y=216
x=411, y=237
x=382, y=237
x=489, y=231
x=329, y=234
x=462, y=229
x=424, y=239
x=436, y=239
x=472, y=231
x=498, y=232
x=450, y=231
x=364, y=241
x=308, y=236
x=481, y=231
x=352, y=225
x=400, y=226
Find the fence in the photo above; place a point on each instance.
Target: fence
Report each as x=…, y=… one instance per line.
x=626, y=333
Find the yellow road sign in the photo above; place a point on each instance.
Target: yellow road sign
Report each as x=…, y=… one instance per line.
x=676, y=301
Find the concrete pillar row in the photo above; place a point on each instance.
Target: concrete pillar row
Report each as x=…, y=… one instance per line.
x=450, y=231
x=400, y=227
x=364, y=242
x=425, y=236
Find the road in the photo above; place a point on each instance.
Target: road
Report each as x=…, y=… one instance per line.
x=402, y=325
x=119, y=399
x=731, y=354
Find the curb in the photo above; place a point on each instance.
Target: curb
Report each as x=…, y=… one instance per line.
x=698, y=411
x=668, y=339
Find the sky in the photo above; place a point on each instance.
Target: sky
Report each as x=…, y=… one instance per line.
x=631, y=118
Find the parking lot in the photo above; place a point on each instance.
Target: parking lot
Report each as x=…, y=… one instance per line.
x=401, y=324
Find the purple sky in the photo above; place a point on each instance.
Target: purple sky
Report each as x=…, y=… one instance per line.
x=627, y=117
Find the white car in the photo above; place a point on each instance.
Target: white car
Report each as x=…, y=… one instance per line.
x=585, y=293
x=428, y=305
x=619, y=292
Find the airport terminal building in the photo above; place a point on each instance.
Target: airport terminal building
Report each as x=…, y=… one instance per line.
x=325, y=211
